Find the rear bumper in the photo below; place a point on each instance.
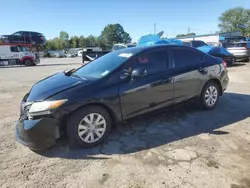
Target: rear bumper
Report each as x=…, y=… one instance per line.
x=37, y=134
x=224, y=81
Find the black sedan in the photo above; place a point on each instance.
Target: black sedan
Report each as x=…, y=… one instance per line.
x=220, y=52
x=86, y=103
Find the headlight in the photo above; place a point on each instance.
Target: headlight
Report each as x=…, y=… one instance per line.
x=45, y=107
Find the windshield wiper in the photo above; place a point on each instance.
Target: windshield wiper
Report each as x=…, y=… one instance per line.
x=77, y=76
x=68, y=72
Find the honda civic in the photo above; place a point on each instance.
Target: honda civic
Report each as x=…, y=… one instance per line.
x=85, y=103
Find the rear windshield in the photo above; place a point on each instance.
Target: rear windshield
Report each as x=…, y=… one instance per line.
x=240, y=45
x=197, y=44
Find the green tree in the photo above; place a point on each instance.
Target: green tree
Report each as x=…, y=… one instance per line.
x=50, y=45
x=185, y=35
x=236, y=19
x=82, y=42
x=64, y=37
x=91, y=41
x=58, y=44
x=114, y=33
x=127, y=38
x=74, y=42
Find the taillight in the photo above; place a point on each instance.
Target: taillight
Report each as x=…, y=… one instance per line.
x=224, y=64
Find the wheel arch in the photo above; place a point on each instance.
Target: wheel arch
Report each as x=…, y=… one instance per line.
x=217, y=81
x=107, y=108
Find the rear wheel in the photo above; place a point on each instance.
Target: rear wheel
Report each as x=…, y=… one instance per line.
x=88, y=126
x=28, y=62
x=233, y=61
x=209, y=95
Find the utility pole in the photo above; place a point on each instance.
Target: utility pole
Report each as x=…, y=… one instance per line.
x=154, y=28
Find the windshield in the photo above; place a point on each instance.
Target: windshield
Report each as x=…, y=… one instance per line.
x=105, y=64
x=240, y=45
x=22, y=49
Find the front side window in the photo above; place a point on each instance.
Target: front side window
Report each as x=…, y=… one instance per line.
x=17, y=34
x=14, y=49
x=22, y=49
x=154, y=61
x=186, y=57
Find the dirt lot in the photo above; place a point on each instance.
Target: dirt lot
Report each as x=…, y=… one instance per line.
x=183, y=147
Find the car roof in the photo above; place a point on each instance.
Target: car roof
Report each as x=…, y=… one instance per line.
x=242, y=42
x=138, y=49
x=28, y=32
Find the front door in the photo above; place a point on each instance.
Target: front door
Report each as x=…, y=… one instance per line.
x=153, y=90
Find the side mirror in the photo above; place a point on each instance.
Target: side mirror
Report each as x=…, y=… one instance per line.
x=125, y=74
x=139, y=72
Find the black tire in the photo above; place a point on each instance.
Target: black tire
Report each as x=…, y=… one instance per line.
x=74, y=121
x=247, y=59
x=232, y=63
x=203, y=104
x=28, y=62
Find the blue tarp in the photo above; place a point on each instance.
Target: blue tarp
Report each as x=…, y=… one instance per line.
x=205, y=49
x=214, y=49
x=148, y=40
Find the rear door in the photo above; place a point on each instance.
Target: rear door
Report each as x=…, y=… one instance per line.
x=27, y=37
x=188, y=73
x=153, y=91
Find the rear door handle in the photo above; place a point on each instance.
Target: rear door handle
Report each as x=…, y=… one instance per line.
x=202, y=70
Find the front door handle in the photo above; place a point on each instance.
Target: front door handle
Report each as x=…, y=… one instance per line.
x=166, y=80
x=202, y=70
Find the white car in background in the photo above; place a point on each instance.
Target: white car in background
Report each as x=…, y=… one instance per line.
x=241, y=50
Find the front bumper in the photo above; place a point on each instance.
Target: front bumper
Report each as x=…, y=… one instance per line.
x=37, y=134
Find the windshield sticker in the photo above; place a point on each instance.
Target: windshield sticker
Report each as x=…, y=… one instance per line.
x=104, y=73
x=127, y=55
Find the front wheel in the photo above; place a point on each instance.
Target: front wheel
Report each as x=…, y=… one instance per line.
x=88, y=126
x=209, y=95
x=28, y=62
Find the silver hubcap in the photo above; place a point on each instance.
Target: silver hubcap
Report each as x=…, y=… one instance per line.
x=211, y=95
x=92, y=128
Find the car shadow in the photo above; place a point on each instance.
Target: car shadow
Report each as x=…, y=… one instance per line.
x=156, y=130
x=238, y=65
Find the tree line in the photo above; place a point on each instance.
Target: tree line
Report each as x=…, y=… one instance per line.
x=111, y=34
x=236, y=19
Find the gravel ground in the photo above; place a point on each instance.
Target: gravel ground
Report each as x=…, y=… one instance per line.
x=183, y=147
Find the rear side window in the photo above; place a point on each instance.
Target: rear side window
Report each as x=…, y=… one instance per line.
x=186, y=43
x=197, y=43
x=186, y=57
x=154, y=61
x=14, y=49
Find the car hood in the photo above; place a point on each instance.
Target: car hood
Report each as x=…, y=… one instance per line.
x=53, y=85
